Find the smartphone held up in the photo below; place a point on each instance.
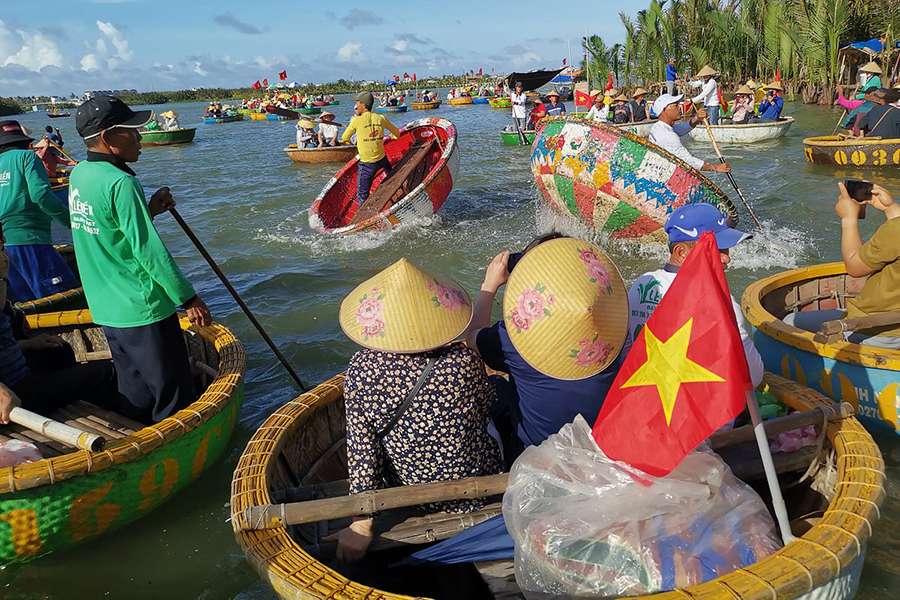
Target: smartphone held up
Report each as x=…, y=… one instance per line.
x=861, y=191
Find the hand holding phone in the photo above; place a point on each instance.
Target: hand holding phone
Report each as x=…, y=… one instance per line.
x=861, y=191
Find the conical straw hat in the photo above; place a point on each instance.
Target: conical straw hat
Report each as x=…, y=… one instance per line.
x=871, y=67
x=306, y=124
x=707, y=71
x=752, y=84
x=744, y=90
x=405, y=309
x=775, y=85
x=566, y=309
x=621, y=97
x=639, y=92
x=595, y=93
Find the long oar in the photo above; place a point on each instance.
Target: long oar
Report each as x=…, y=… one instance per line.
x=715, y=144
x=237, y=298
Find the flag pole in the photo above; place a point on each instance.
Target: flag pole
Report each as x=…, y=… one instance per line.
x=784, y=524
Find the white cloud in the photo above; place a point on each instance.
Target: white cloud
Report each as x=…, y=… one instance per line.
x=400, y=45
x=30, y=49
x=198, y=69
x=350, y=52
x=123, y=52
x=109, y=51
x=89, y=62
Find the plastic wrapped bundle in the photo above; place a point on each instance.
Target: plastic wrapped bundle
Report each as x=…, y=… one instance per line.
x=585, y=525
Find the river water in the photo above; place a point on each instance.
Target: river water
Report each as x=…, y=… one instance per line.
x=247, y=201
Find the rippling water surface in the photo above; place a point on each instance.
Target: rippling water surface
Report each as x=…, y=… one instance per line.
x=247, y=201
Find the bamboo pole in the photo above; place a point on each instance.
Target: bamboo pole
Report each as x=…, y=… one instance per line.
x=844, y=113
x=56, y=431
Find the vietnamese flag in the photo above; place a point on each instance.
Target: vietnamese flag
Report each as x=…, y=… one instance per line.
x=685, y=376
x=265, y=83
x=283, y=75
x=257, y=85
x=722, y=102
x=582, y=97
x=609, y=82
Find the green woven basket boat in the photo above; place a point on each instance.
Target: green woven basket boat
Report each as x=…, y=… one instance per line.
x=74, y=495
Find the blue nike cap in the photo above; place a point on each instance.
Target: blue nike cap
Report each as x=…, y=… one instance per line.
x=686, y=223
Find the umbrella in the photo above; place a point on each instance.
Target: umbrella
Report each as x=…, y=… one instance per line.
x=489, y=540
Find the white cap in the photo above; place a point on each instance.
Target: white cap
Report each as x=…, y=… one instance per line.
x=663, y=101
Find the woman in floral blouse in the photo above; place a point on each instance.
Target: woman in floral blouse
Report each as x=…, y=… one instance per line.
x=417, y=401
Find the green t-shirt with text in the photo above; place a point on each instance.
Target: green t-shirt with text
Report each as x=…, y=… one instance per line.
x=27, y=203
x=129, y=277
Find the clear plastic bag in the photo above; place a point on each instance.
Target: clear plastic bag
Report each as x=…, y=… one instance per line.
x=585, y=525
x=14, y=452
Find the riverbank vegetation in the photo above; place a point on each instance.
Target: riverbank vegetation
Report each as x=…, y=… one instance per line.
x=8, y=106
x=800, y=39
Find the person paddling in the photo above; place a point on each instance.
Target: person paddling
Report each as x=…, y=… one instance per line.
x=666, y=132
x=131, y=282
x=709, y=93
x=369, y=129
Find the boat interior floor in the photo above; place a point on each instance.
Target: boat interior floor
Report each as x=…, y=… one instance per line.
x=409, y=172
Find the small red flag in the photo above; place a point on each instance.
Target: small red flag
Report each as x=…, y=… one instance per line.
x=480, y=71
x=685, y=376
x=283, y=75
x=565, y=61
x=777, y=74
x=414, y=76
x=610, y=82
x=257, y=85
x=582, y=97
x=265, y=83
x=722, y=101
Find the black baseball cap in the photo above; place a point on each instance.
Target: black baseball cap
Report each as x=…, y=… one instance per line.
x=99, y=113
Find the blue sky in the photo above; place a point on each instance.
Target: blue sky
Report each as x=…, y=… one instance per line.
x=161, y=44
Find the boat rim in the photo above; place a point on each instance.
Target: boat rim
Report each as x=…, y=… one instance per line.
x=446, y=154
x=770, y=325
x=288, y=149
x=723, y=197
x=836, y=141
x=167, y=130
x=218, y=394
x=784, y=122
x=859, y=486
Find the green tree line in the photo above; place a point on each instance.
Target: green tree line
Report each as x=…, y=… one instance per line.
x=8, y=106
x=746, y=39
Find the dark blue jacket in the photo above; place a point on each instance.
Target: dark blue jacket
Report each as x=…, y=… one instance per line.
x=771, y=111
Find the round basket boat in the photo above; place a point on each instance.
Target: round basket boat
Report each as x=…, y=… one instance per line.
x=320, y=155
x=425, y=105
x=864, y=376
x=614, y=182
x=315, y=110
x=258, y=116
x=225, y=119
x=183, y=135
x=303, y=444
x=462, y=101
x=481, y=100
x=67, y=300
x=748, y=133
x=838, y=151
x=503, y=102
x=425, y=161
x=75, y=495
x=392, y=109
x=512, y=138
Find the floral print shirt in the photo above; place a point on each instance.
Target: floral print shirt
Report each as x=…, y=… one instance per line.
x=441, y=436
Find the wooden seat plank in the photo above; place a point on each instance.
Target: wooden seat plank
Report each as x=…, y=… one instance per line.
x=112, y=418
x=401, y=173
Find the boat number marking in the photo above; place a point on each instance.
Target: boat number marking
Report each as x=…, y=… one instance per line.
x=25, y=533
x=87, y=508
x=154, y=492
x=840, y=157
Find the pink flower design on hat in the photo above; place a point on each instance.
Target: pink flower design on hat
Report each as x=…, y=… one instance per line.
x=596, y=270
x=369, y=313
x=590, y=352
x=447, y=296
x=532, y=305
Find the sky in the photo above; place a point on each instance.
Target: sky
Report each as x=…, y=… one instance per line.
x=51, y=47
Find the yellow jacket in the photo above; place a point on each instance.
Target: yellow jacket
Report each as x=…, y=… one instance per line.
x=369, y=128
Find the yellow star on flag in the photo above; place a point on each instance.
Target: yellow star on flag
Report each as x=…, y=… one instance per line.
x=668, y=366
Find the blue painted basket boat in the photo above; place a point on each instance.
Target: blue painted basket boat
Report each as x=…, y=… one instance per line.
x=392, y=109
x=865, y=376
x=480, y=100
x=614, y=182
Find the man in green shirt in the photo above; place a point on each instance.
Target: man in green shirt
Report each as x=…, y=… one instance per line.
x=131, y=282
x=27, y=207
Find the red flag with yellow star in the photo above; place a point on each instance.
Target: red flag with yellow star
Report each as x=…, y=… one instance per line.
x=685, y=376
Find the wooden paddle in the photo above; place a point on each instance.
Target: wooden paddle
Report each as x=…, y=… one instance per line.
x=237, y=298
x=730, y=176
x=844, y=113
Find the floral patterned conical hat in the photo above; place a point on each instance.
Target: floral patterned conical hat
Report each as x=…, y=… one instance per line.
x=566, y=309
x=405, y=309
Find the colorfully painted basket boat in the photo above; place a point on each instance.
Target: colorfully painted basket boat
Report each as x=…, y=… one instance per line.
x=392, y=109
x=73, y=495
x=512, y=138
x=749, y=133
x=481, y=100
x=425, y=105
x=274, y=117
x=461, y=101
x=425, y=161
x=323, y=154
x=184, y=135
x=503, y=102
x=614, y=182
x=67, y=300
x=839, y=151
x=864, y=376
x=225, y=119
x=315, y=110
x=258, y=116
x=303, y=443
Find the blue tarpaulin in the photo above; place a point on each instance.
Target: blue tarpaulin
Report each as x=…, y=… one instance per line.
x=488, y=540
x=874, y=46
x=562, y=80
